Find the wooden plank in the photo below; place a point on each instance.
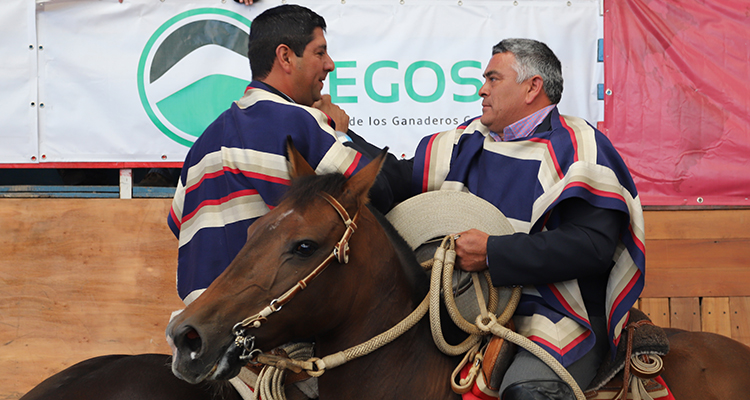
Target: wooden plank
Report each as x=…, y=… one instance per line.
x=697, y=224
x=657, y=310
x=715, y=316
x=695, y=268
x=53, y=191
x=59, y=189
x=81, y=278
x=739, y=317
x=685, y=313
x=153, y=192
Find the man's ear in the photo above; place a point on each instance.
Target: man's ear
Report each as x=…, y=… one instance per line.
x=535, y=89
x=283, y=57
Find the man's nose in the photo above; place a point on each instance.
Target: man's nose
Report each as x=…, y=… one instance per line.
x=328, y=64
x=483, y=91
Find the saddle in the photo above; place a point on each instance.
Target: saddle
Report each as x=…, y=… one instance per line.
x=617, y=377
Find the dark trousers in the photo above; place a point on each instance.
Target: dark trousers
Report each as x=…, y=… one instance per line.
x=527, y=367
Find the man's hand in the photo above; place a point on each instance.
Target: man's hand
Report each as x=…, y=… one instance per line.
x=339, y=116
x=246, y=2
x=471, y=250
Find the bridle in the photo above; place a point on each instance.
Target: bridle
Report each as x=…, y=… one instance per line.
x=340, y=253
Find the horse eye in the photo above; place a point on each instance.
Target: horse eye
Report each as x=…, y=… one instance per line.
x=305, y=248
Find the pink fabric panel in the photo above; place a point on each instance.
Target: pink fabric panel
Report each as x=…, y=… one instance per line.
x=679, y=106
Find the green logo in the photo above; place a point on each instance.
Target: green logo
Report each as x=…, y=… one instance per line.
x=192, y=69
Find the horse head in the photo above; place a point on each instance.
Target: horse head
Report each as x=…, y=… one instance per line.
x=285, y=249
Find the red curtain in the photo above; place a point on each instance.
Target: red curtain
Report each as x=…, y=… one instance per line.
x=677, y=98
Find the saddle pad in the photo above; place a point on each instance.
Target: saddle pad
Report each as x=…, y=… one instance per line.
x=244, y=383
x=476, y=392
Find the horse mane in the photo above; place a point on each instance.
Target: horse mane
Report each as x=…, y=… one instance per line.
x=415, y=274
x=303, y=188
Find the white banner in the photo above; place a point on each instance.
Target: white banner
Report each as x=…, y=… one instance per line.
x=18, y=99
x=138, y=81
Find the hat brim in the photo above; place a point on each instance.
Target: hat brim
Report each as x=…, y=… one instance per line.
x=443, y=212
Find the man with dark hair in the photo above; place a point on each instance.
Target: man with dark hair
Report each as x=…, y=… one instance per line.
x=578, y=248
x=237, y=170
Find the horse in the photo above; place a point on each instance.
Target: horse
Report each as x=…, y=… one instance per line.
x=349, y=303
x=346, y=304
x=111, y=377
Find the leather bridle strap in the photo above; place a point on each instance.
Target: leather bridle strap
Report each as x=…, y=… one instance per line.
x=340, y=252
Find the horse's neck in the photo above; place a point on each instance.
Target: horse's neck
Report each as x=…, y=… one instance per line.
x=410, y=366
x=383, y=298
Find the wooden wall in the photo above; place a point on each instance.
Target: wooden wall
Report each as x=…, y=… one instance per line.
x=81, y=278
x=698, y=270
x=87, y=277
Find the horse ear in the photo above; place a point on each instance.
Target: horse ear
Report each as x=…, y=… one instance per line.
x=299, y=166
x=359, y=185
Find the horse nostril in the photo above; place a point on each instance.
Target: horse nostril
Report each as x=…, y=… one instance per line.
x=193, y=340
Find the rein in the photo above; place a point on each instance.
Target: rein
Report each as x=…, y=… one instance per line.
x=340, y=253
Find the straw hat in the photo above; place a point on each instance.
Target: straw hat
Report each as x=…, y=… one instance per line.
x=439, y=213
x=433, y=215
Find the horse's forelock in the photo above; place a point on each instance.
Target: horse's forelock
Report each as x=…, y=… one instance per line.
x=304, y=188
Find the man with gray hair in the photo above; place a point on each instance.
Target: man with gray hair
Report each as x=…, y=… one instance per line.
x=578, y=248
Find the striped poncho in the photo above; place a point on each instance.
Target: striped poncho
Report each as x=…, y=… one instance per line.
x=526, y=179
x=237, y=171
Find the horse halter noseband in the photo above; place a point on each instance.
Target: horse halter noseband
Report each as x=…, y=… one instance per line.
x=340, y=252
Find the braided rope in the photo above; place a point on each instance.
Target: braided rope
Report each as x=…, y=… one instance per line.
x=270, y=383
x=442, y=273
x=334, y=360
x=446, y=252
